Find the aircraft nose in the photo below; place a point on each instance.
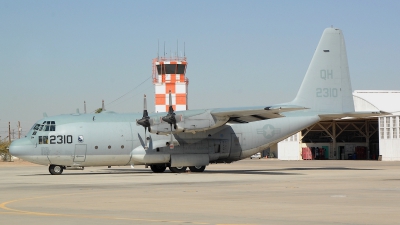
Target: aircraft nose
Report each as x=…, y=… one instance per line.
x=20, y=147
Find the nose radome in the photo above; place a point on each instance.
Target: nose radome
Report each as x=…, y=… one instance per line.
x=20, y=147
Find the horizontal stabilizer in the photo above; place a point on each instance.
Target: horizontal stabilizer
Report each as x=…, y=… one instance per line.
x=268, y=112
x=353, y=115
x=251, y=114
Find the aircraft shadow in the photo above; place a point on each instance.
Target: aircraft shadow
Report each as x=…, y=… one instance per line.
x=147, y=172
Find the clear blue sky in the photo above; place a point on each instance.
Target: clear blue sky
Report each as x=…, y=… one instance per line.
x=56, y=54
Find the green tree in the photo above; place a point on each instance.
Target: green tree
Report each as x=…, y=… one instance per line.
x=4, y=149
x=99, y=110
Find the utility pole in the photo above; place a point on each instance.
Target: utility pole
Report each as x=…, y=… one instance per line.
x=9, y=132
x=19, y=130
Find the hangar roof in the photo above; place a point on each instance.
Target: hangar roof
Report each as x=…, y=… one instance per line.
x=371, y=100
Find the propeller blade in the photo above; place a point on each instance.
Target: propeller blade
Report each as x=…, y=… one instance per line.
x=145, y=120
x=170, y=117
x=150, y=143
x=170, y=110
x=145, y=114
x=141, y=141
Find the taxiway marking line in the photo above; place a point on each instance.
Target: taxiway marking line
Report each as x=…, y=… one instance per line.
x=23, y=212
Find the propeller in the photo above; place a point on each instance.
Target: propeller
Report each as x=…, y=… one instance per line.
x=170, y=118
x=144, y=122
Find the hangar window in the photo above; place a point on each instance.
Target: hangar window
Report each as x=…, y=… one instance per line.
x=387, y=128
x=394, y=127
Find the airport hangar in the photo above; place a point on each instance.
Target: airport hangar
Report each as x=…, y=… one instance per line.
x=372, y=138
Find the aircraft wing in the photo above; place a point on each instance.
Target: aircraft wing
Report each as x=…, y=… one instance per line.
x=250, y=114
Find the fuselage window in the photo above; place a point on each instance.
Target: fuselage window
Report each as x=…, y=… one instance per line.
x=45, y=126
x=53, y=126
x=36, y=127
x=45, y=140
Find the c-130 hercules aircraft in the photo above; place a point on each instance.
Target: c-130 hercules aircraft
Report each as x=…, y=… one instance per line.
x=194, y=138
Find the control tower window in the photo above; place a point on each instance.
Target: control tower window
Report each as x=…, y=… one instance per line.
x=180, y=69
x=171, y=69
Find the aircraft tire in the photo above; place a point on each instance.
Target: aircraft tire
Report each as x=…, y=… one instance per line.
x=181, y=169
x=197, y=168
x=56, y=169
x=158, y=168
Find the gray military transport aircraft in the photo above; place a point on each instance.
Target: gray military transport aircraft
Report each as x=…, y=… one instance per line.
x=194, y=138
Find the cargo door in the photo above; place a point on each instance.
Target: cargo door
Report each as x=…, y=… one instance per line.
x=80, y=153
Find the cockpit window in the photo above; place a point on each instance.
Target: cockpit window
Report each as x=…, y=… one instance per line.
x=45, y=126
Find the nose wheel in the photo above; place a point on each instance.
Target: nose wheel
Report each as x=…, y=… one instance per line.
x=56, y=169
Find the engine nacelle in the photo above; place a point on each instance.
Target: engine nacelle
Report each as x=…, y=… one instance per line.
x=186, y=121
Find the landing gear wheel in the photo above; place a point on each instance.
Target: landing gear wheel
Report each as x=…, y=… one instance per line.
x=56, y=169
x=158, y=168
x=181, y=169
x=197, y=168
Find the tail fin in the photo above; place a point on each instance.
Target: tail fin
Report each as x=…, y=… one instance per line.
x=326, y=88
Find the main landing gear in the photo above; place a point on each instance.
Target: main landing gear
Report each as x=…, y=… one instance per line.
x=178, y=169
x=158, y=168
x=56, y=169
x=197, y=168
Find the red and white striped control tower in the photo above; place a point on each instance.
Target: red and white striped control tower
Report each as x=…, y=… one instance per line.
x=169, y=75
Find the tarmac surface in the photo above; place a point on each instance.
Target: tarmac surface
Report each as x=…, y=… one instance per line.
x=246, y=192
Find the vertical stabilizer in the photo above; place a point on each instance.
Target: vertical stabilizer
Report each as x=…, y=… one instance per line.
x=326, y=88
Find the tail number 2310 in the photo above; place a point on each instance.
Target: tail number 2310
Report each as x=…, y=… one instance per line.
x=60, y=139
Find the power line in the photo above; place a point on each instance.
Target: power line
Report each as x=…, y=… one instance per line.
x=126, y=93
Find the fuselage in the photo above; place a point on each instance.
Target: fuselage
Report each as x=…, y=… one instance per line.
x=111, y=139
